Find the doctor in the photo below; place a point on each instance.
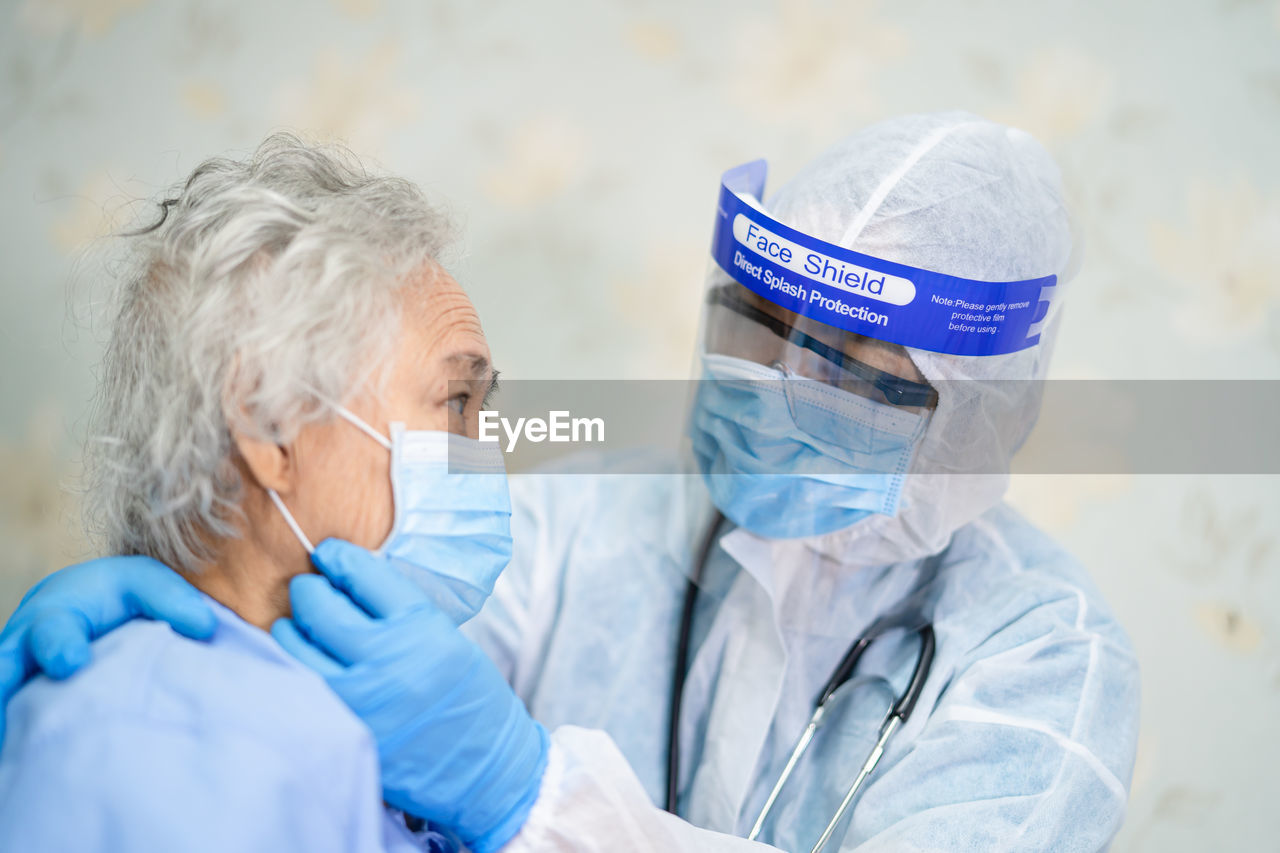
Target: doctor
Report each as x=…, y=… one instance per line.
x=861, y=402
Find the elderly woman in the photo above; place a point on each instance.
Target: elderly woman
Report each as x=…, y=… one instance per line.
x=279, y=373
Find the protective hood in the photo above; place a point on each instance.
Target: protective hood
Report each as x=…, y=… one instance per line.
x=966, y=197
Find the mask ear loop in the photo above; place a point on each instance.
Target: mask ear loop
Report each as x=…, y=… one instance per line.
x=289, y=520
x=390, y=446
x=351, y=418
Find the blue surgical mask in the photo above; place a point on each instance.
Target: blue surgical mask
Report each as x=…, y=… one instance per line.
x=452, y=528
x=788, y=457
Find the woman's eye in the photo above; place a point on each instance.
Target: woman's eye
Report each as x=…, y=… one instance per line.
x=458, y=403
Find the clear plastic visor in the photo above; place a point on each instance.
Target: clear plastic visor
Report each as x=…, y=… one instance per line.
x=742, y=324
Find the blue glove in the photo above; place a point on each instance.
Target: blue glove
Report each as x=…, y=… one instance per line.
x=58, y=618
x=457, y=745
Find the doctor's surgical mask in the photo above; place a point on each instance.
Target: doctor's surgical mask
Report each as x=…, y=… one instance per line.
x=787, y=457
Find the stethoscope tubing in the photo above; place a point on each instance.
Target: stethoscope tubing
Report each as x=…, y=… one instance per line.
x=896, y=717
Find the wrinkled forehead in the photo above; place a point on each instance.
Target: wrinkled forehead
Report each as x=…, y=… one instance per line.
x=440, y=329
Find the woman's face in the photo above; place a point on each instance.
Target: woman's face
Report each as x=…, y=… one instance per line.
x=343, y=483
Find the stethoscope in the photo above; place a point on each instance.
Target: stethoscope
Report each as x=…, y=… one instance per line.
x=894, y=718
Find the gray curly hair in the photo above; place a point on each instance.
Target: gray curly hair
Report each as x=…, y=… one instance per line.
x=267, y=285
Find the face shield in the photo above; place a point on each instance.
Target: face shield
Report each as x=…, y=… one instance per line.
x=811, y=405
x=739, y=323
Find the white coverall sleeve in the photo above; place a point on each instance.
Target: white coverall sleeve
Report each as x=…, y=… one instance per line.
x=591, y=800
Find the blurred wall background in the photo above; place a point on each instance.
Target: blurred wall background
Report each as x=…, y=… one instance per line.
x=580, y=145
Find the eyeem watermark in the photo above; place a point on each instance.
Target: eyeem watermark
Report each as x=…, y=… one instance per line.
x=559, y=427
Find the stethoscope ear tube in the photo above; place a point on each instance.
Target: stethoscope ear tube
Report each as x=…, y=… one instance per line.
x=844, y=669
x=924, y=661
x=682, y=663
x=894, y=720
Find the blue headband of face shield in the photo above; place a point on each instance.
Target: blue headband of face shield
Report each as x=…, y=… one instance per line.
x=866, y=295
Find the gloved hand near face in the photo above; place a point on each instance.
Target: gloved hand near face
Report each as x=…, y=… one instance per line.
x=456, y=744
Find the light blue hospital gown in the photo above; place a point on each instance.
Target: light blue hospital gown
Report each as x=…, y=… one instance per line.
x=166, y=744
x=1023, y=739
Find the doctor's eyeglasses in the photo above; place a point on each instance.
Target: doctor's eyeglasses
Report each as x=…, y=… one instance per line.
x=737, y=327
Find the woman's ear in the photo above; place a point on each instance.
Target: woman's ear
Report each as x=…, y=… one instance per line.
x=271, y=465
